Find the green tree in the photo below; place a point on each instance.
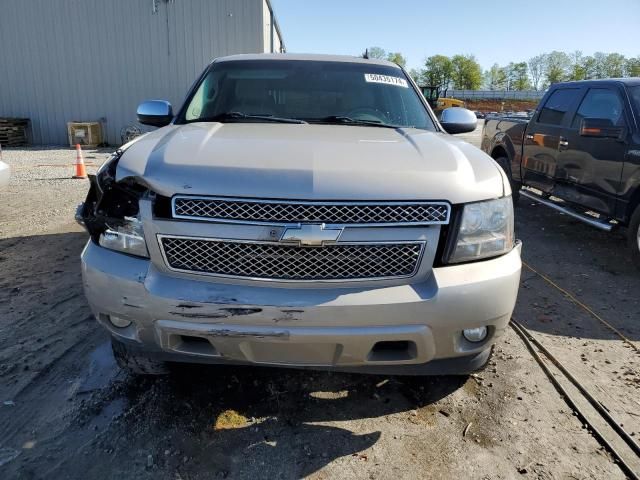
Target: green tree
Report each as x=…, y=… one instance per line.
x=614, y=65
x=516, y=76
x=495, y=78
x=589, y=67
x=519, y=76
x=398, y=58
x=437, y=72
x=417, y=76
x=377, y=52
x=557, y=67
x=578, y=70
x=509, y=76
x=599, y=65
x=632, y=67
x=466, y=72
x=536, y=70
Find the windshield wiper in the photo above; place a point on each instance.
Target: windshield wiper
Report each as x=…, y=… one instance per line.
x=227, y=116
x=344, y=120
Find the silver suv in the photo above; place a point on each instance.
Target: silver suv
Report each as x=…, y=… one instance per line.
x=302, y=211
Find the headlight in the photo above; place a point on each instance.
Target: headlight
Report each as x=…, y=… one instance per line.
x=106, y=173
x=486, y=230
x=126, y=238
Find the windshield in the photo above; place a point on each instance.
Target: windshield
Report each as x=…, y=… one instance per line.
x=313, y=91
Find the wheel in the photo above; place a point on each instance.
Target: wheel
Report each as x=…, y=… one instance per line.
x=487, y=361
x=515, y=187
x=135, y=363
x=633, y=237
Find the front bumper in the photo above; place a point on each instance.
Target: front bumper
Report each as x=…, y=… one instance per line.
x=420, y=325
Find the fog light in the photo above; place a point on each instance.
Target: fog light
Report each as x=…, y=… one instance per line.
x=119, y=322
x=475, y=334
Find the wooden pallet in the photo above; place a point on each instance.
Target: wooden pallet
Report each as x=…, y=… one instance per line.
x=13, y=132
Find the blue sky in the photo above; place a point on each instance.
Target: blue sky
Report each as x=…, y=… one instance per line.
x=493, y=30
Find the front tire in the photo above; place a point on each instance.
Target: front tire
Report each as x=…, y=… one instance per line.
x=136, y=363
x=633, y=237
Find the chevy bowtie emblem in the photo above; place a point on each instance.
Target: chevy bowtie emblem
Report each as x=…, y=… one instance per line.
x=311, y=235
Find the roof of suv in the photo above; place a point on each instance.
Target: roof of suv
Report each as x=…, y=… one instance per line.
x=630, y=81
x=306, y=57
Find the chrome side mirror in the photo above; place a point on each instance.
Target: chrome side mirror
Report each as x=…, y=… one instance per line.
x=156, y=113
x=458, y=120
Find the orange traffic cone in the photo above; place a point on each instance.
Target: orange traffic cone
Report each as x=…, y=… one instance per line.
x=81, y=171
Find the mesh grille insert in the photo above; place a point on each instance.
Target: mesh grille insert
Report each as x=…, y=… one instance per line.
x=295, y=212
x=284, y=262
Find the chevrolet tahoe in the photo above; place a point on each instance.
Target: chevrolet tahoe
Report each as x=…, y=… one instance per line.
x=302, y=211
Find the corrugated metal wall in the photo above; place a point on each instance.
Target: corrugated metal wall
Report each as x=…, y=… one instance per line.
x=86, y=60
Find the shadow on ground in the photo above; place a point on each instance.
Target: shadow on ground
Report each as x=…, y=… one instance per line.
x=245, y=422
x=76, y=416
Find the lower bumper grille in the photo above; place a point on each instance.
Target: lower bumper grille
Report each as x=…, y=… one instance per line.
x=284, y=262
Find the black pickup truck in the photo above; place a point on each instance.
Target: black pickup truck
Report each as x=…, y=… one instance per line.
x=579, y=153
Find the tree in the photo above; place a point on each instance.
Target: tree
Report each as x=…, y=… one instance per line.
x=536, y=70
x=437, y=72
x=519, y=76
x=495, y=78
x=557, y=67
x=599, y=68
x=509, y=72
x=417, y=76
x=466, y=72
x=589, y=67
x=377, y=52
x=578, y=70
x=632, y=67
x=398, y=58
x=614, y=65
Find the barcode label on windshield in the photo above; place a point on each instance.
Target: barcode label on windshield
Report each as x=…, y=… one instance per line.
x=377, y=78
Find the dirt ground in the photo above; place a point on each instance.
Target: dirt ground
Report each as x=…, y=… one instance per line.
x=66, y=411
x=501, y=105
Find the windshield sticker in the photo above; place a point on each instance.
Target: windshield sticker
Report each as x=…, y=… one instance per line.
x=386, y=79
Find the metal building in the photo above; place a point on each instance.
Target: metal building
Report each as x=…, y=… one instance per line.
x=95, y=60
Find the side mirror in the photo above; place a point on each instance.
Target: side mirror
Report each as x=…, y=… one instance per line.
x=458, y=120
x=599, y=127
x=156, y=113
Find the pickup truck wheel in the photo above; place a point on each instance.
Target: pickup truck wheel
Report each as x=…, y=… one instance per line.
x=633, y=237
x=515, y=188
x=135, y=363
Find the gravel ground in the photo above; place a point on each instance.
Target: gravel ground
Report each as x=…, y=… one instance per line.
x=68, y=412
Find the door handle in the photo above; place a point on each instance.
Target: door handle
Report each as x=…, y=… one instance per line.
x=563, y=143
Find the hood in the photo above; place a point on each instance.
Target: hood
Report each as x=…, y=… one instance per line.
x=310, y=162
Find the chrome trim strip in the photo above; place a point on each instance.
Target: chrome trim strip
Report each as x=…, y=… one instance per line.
x=307, y=202
x=160, y=236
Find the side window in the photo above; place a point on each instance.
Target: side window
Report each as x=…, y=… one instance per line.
x=558, y=104
x=600, y=103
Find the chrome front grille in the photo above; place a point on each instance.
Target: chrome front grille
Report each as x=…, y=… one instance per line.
x=273, y=261
x=287, y=212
